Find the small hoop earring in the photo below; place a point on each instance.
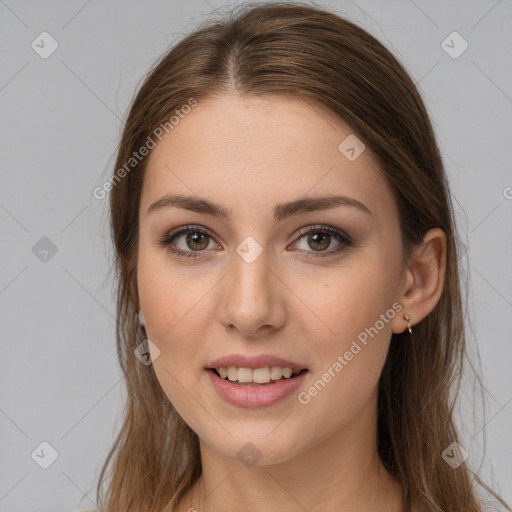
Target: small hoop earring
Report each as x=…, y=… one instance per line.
x=407, y=318
x=140, y=317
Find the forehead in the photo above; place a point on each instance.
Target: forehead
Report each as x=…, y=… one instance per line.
x=248, y=152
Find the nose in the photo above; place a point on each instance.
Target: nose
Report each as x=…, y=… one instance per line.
x=253, y=298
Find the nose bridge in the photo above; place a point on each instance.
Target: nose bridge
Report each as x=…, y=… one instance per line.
x=250, y=279
x=250, y=300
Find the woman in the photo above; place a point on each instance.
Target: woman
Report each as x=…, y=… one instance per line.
x=289, y=313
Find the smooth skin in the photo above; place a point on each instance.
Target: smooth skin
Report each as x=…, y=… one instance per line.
x=248, y=155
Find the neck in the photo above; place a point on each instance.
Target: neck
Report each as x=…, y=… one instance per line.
x=340, y=472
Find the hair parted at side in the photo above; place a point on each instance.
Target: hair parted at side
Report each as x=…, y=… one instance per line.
x=309, y=52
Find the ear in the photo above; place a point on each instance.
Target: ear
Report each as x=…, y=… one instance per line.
x=423, y=280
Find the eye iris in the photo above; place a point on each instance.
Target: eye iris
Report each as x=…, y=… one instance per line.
x=194, y=239
x=314, y=239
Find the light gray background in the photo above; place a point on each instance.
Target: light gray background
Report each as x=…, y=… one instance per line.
x=60, y=123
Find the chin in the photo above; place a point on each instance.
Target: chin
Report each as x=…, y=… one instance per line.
x=251, y=447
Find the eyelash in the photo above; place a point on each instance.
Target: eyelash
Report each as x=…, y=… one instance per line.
x=343, y=238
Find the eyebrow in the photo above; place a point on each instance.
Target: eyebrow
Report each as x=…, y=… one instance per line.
x=281, y=211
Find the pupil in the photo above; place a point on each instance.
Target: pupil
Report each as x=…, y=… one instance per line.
x=192, y=239
x=315, y=237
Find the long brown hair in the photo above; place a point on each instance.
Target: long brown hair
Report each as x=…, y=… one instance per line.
x=309, y=52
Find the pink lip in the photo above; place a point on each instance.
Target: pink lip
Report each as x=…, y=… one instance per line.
x=261, y=361
x=255, y=396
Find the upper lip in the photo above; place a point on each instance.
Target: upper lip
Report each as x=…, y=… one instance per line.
x=242, y=361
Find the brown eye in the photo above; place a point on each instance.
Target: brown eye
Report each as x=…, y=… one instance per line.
x=320, y=237
x=318, y=242
x=188, y=241
x=197, y=241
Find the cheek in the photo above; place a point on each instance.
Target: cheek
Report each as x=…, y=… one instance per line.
x=172, y=297
x=350, y=332
x=345, y=302
x=171, y=300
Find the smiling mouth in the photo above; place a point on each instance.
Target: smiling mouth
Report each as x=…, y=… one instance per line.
x=265, y=376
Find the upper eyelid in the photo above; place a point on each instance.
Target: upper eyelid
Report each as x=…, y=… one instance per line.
x=298, y=234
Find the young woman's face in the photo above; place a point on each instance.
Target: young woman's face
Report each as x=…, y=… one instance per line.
x=281, y=280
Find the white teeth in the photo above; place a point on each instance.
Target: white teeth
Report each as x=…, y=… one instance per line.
x=258, y=375
x=232, y=373
x=276, y=372
x=261, y=375
x=244, y=375
x=287, y=372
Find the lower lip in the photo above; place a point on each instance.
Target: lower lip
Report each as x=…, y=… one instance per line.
x=255, y=396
